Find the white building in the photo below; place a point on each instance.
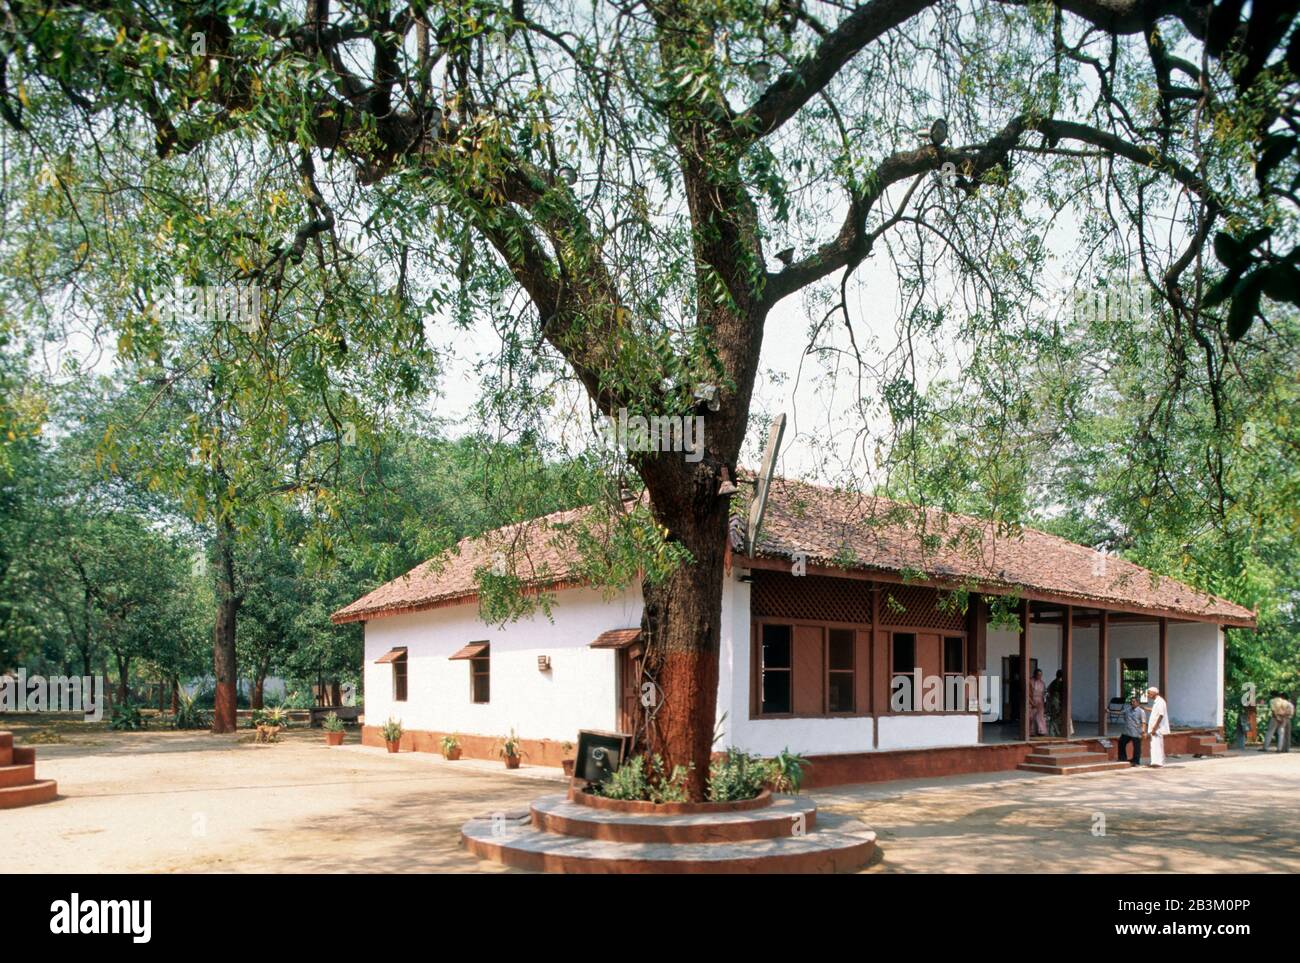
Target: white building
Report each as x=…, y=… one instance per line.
x=815, y=661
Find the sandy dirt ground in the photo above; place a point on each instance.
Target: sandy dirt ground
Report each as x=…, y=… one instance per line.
x=194, y=802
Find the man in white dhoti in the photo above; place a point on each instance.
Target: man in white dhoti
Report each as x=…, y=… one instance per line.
x=1157, y=727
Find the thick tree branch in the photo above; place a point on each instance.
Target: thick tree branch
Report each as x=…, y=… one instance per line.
x=853, y=241
x=798, y=85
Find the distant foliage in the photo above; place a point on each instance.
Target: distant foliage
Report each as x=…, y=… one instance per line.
x=126, y=718
x=189, y=715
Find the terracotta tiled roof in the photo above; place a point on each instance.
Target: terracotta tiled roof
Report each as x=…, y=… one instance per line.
x=838, y=530
x=847, y=530
x=540, y=550
x=616, y=639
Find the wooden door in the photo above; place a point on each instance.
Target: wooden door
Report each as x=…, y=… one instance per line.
x=1013, y=689
x=628, y=686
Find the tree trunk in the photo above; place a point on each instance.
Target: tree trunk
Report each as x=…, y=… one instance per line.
x=224, y=711
x=681, y=624
x=123, y=671
x=259, y=685
x=176, y=694
x=108, y=690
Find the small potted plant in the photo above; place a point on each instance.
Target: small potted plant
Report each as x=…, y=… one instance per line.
x=568, y=761
x=450, y=748
x=392, y=730
x=333, y=730
x=510, y=750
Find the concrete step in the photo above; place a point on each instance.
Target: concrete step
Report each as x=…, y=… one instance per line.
x=786, y=816
x=1208, y=746
x=839, y=845
x=6, y=740
x=1072, y=770
x=24, y=756
x=7, y=756
x=43, y=790
x=17, y=775
x=1079, y=757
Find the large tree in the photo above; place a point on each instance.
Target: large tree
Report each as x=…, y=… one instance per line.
x=655, y=178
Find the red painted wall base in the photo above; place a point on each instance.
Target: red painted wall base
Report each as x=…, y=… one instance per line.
x=840, y=769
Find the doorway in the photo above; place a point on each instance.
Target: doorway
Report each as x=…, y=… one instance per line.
x=1013, y=689
x=628, y=686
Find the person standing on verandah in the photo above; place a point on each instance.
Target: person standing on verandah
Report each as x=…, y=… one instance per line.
x=1061, y=726
x=1038, y=705
x=1134, y=729
x=1157, y=727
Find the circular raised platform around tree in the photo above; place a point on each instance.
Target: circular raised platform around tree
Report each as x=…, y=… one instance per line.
x=784, y=834
x=18, y=783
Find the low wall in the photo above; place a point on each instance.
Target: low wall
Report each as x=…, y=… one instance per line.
x=536, y=752
x=839, y=769
x=847, y=768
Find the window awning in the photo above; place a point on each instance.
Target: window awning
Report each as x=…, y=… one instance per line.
x=617, y=639
x=471, y=651
x=392, y=655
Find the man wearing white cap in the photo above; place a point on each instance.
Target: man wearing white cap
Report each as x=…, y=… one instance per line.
x=1157, y=727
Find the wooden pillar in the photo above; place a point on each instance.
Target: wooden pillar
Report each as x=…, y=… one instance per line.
x=1103, y=671
x=977, y=620
x=1164, y=658
x=881, y=664
x=1024, y=670
x=1067, y=663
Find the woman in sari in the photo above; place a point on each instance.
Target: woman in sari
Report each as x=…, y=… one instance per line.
x=1038, y=705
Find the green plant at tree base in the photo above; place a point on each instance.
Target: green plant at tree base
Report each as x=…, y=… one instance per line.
x=189, y=715
x=643, y=778
x=392, y=730
x=737, y=775
x=628, y=781
x=785, y=771
x=333, y=723
x=126, y=718
x=449, y=744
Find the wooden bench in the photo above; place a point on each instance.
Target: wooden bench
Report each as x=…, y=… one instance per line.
x=346, y=713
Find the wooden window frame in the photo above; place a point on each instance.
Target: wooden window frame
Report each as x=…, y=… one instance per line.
x=760, y=670
x=401, y=677
x=1124, y=660
x=475, y=673
x=756, y=668
x=947, y=674
x=943, y=634
x=851, y=672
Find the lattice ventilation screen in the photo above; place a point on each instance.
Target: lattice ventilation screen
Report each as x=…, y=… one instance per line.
x=813, y=598
x=916, y=606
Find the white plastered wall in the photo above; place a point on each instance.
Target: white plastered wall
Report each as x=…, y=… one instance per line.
x=578, y=692
x=1044, y=645
x=1194, y=690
